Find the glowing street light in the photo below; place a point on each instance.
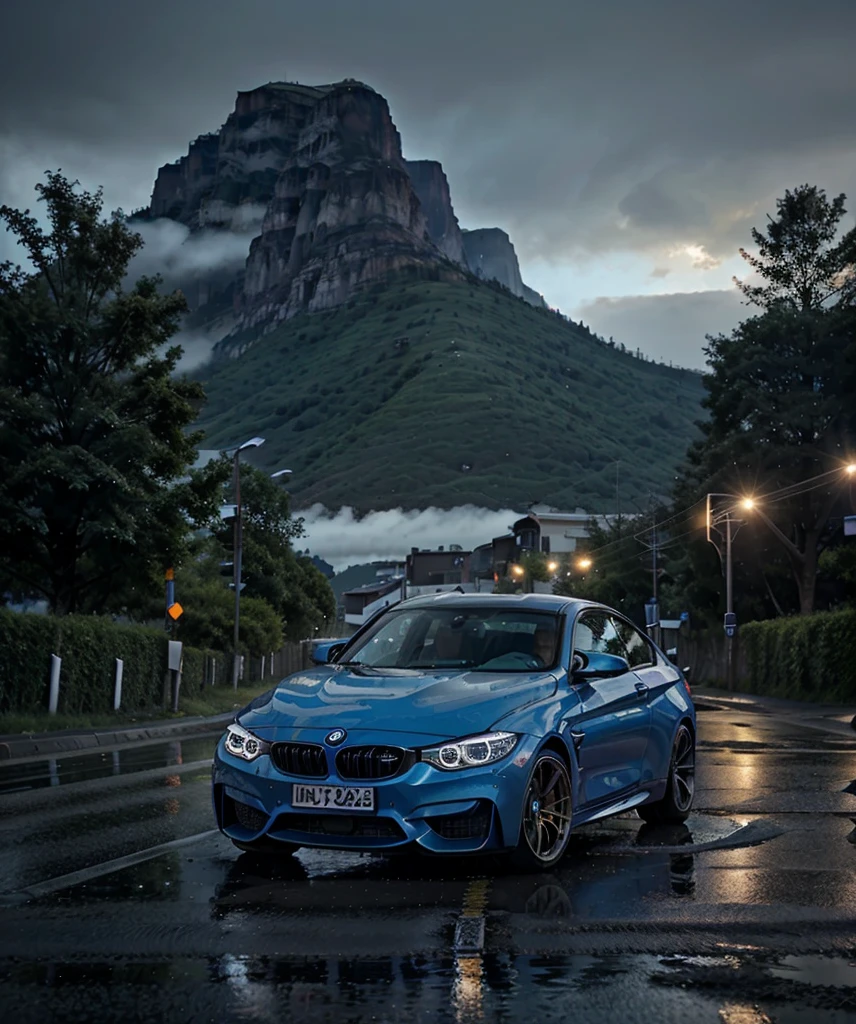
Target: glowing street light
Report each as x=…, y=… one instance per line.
x=518, y=570
x=748, y=503
x=552, y=566
x=584, y=563
x=851, y=469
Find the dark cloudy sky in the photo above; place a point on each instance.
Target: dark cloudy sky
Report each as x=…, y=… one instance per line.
x=626, y=146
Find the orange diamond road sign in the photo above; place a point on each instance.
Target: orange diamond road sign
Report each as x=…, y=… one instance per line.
x=169, y=574
x=175, y=610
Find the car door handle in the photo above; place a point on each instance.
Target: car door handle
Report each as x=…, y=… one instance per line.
x=641, y=689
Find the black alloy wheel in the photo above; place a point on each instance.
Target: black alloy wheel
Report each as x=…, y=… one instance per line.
x=546, y=821
x=677, y=801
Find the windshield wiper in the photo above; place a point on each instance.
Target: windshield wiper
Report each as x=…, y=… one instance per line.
x=460, y=665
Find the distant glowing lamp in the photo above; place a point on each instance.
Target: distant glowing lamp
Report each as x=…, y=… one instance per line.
x=517, y=570
x=584, y=563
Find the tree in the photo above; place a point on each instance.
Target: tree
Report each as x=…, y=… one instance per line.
x=95, y=488
x=298, y=591
x=781, y=386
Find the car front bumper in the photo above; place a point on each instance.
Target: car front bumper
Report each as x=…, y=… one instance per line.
x=442, y=812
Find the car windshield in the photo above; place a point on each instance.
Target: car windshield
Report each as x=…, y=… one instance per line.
x=477, y=639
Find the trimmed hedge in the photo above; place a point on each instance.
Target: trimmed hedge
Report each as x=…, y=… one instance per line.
x=807, y=657
x=88, y=646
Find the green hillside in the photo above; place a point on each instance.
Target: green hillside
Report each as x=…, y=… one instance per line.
x=429, y=393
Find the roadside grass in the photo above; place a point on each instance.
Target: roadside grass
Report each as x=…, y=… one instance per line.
x=216, y=700
x=436, y=393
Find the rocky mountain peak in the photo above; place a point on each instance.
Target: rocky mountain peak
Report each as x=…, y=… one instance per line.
x=313, y=177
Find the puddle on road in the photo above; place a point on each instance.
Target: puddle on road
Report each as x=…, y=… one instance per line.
x=606, y=866
x=627, y=833
x=71, y=768
x=413, y=988
x=817, y=970
x=818, y=982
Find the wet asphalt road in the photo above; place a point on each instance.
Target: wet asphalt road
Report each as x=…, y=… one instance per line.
x=120, y=903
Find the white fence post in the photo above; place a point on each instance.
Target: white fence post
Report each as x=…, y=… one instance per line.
x=117, y=688
x=53, y=698
x=264, y=659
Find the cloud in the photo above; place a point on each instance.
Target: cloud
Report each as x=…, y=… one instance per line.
x=580, y=128
x=669, y=327
x=698, y=256
x=170, y=249
x=596, y=135
x=343, y=539
x=197, y=349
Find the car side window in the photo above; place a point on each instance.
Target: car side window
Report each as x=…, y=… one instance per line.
x=638, y=648
x=597, y=633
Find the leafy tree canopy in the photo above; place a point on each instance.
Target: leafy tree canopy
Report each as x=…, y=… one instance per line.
x=781, y=386
x=95, y=488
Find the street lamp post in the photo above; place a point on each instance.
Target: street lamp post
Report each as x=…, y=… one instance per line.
x=730, y=621
x=254, y=442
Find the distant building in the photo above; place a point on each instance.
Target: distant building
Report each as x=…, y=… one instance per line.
x=554, y=533
x=363, y=602
x=541, y=530
x=441, y=568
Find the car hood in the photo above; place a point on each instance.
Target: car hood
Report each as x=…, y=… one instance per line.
x=440, y=703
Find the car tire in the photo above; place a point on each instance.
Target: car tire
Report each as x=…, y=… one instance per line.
x=677, y=801
x=545, y=825
x=267, y=847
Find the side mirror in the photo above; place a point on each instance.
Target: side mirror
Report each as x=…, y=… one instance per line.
x=334, y=651
x=324, y=653
x=597, y=666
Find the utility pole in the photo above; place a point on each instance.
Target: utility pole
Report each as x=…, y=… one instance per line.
x=730, y=622
x=254, y=442
x=236, y=571
x=652, y=608
x=654, y=561
x=729, y=608
x=617, y=499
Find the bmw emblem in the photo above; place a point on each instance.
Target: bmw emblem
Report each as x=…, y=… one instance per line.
x=336, y=737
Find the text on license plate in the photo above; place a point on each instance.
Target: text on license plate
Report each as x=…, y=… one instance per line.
x=351, y=797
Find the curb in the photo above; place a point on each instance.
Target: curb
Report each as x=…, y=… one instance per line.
x=16, y=748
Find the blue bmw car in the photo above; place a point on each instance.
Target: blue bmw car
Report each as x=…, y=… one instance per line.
x=463, y=723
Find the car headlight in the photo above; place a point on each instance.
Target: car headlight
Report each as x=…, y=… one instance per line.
x=472, y=752
x=243, y=744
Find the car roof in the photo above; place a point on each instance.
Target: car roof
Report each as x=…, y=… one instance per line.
x=455, y=599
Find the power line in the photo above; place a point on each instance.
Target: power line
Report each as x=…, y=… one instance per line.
x=771, y=497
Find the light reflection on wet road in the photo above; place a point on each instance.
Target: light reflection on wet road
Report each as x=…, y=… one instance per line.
x=745, y=915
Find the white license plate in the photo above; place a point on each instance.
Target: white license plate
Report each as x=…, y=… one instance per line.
x=341, y=798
